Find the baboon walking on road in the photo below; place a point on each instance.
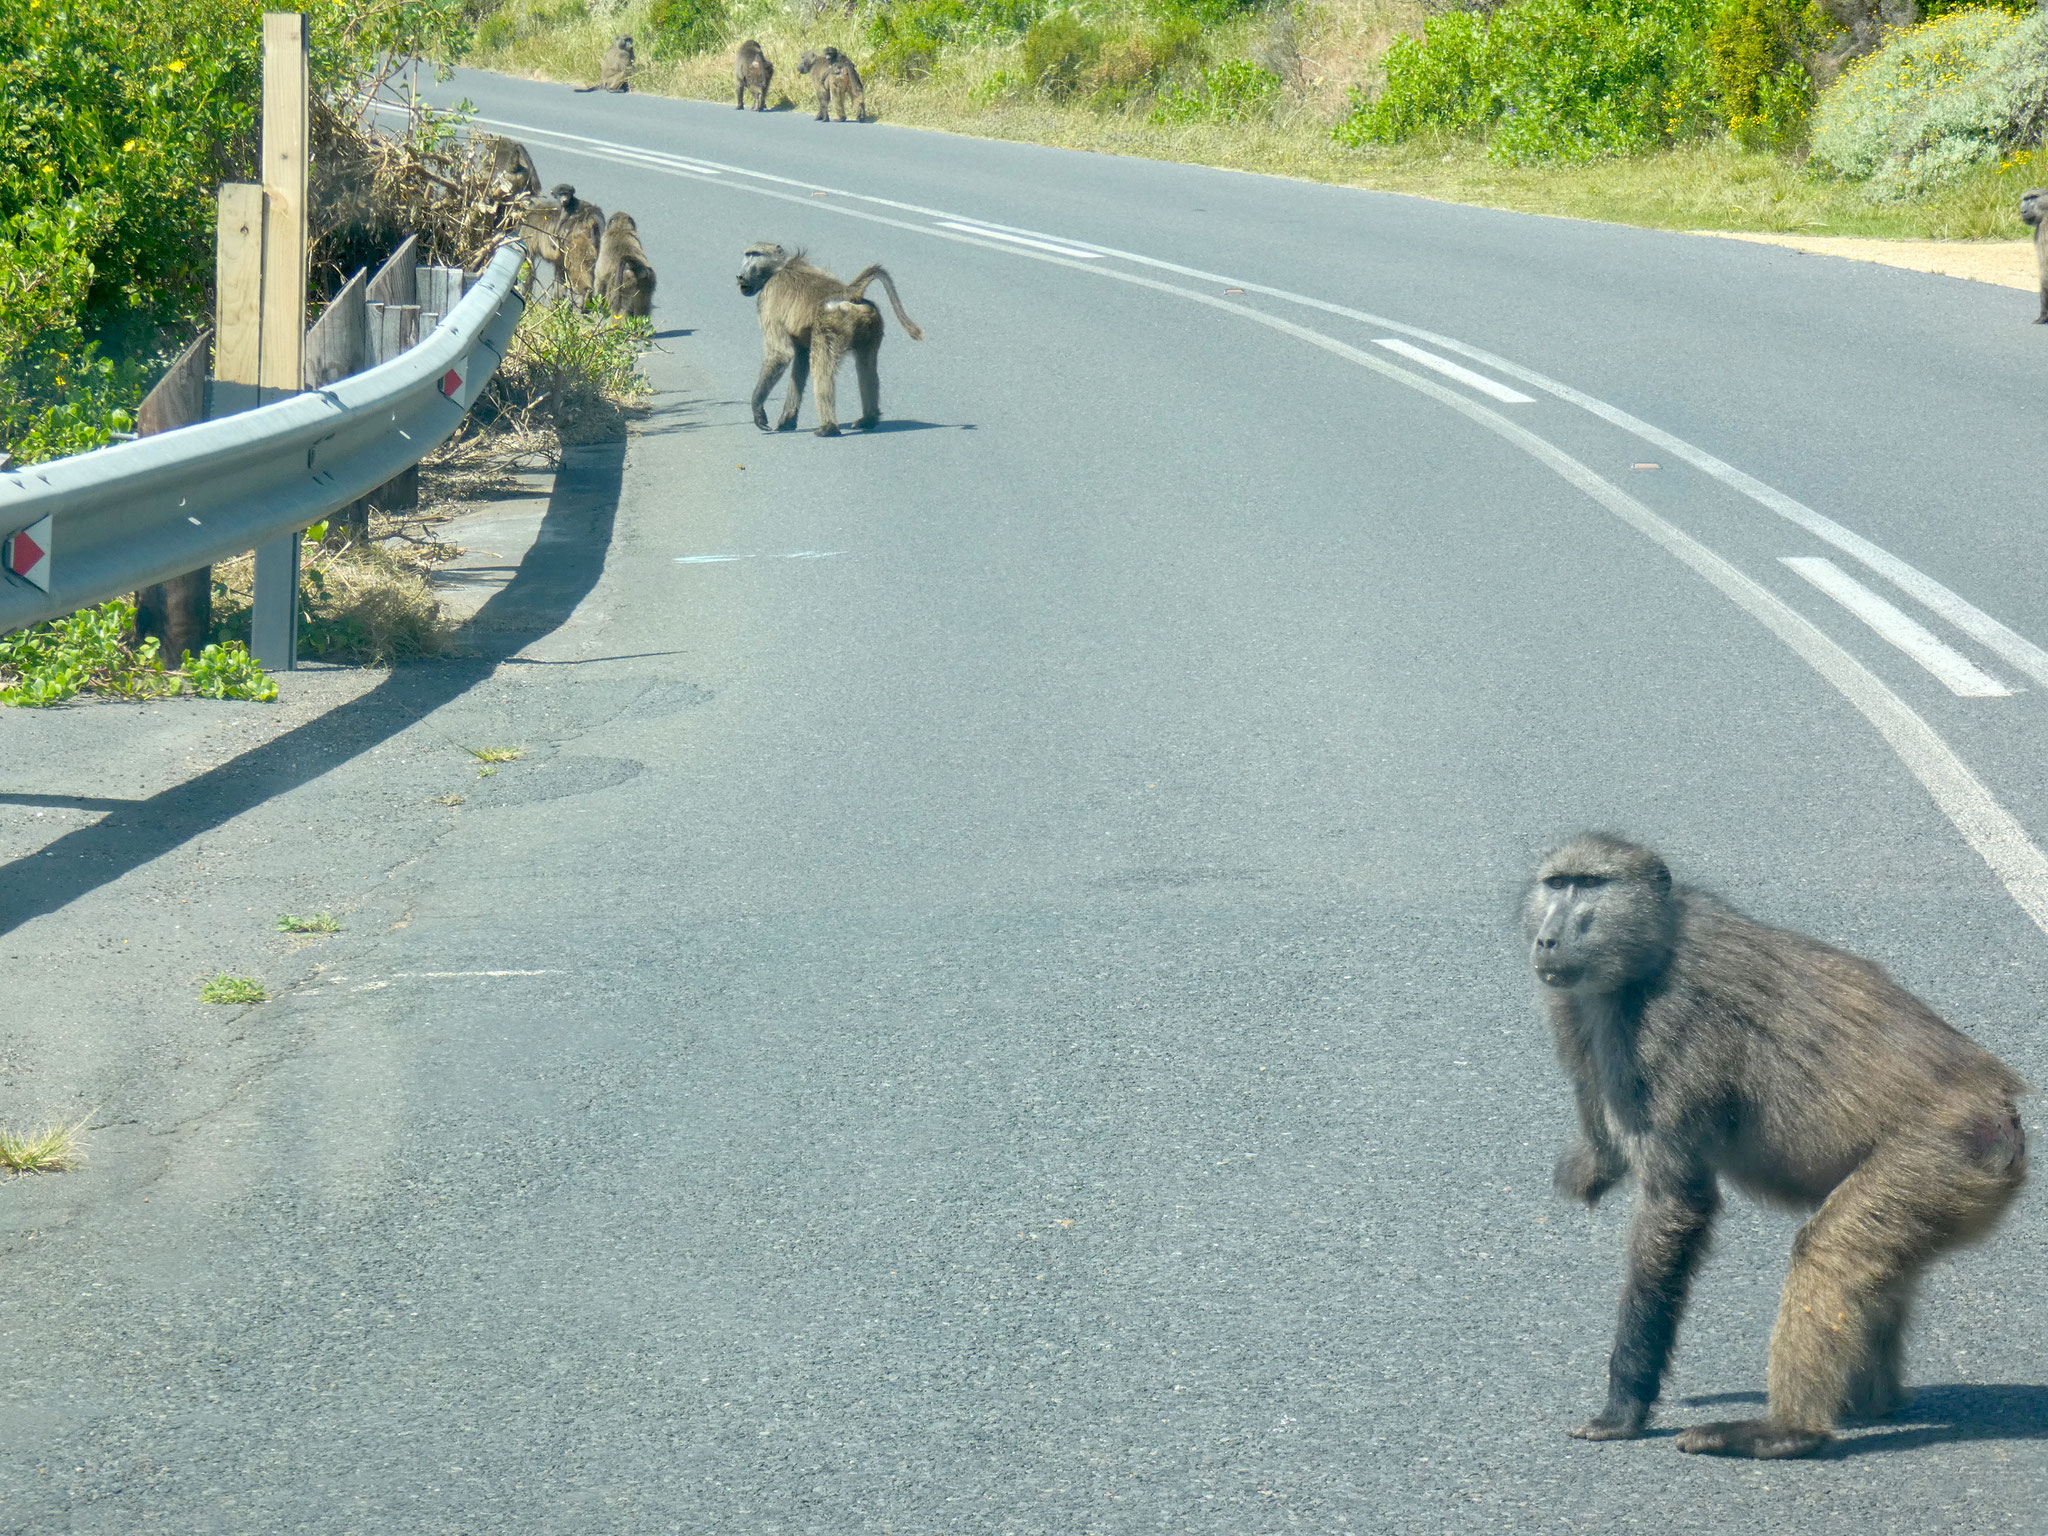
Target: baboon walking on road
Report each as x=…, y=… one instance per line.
x=804, y=310
x=1702, y=1046
x=616, y=73
x=2034, y=211
x=838, y=83
x=752, y=71
x=624, y=276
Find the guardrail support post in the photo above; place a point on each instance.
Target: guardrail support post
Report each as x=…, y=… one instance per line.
x=274, y=624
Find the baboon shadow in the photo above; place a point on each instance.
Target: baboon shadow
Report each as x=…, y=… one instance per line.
x=672, y=335
x=1939, y=1415
x=906, y=424
x=557, y=573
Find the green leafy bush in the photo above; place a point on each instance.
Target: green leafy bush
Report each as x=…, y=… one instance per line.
x=1758, y=50
x=94, y=651
x=1936, y=101
x=680, y=28
x=1550, y=79
x=905, y=40
x=1059, y=52
x=497, y=31
x=1229, y=93
x=1139, y=63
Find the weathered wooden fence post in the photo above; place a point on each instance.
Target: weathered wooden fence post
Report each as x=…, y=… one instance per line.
x=274, y=621
x=337, y=345
x=178, y=612
x=393, y=297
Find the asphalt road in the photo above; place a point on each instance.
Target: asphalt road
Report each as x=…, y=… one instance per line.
x=990, y=1003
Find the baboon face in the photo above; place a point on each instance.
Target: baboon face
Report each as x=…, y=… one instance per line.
x=805, y=64
x=833, y=55
x=759, y=264
x=2033, y=204
x=1598, y=915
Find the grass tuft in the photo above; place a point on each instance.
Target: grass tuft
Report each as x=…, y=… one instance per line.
x=233, y=989
x=496, y=754
x=316, y=922
x=53, y=1149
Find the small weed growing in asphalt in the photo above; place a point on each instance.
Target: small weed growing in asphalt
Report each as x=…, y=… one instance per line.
x=448, y=800
x=232, y=989
x=317, y=922
x=52, y=1149
x=496, y=754
x=485, y=772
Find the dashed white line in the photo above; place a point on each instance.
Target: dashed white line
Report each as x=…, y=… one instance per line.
x=999, y=234
x=1956, y=672
x=1451, y=370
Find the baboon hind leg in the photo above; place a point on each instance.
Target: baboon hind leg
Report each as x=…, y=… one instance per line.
x=799, y=375
x=827, y=389
x=869, y=375
x=1841, y=1322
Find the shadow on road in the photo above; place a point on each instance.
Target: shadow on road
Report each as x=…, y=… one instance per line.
x=558, y=572
x=1934, y=1416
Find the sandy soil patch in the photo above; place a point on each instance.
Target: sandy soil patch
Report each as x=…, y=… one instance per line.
x=2009, y=263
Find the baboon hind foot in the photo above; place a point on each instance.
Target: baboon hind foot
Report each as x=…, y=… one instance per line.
x=1761, y=1439
x=830, y=429
x=866, y=421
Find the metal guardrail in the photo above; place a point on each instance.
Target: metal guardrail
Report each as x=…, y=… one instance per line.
x=143, y=512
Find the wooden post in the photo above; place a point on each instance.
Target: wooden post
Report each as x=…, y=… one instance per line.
x=274, y=623
x=178, y=612
x=397, y=281
x=337, y=345
x=238, y=303
x=395, y=328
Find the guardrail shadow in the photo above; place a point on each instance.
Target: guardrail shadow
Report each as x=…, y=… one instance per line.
x=557, y=573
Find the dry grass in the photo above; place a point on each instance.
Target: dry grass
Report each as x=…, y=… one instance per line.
x=1338, y=44
x=369, y=604
x=52, y=1149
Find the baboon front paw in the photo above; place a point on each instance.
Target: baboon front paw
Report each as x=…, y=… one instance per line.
x=1758, y=1438
x=1612, y=1426
x=828, y=432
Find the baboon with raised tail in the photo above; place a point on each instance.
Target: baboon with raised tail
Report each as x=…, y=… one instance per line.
x=616, y=73
x=624, y=277
x=2034, y=211
x=806, y=311
x=838, y=83
x=1704, y=1047
x=752, y=71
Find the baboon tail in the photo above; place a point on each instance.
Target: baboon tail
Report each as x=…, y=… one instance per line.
x=858, y=289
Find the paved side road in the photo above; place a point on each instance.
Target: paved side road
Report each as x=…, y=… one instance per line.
x=990, y=1003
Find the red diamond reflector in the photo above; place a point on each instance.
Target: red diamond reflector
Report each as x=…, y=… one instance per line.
x=27, y=553
x=451, y=381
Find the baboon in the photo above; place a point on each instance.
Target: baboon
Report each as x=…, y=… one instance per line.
x=804, y=310
x=624, y=277
x=616, y=73
x=751, y=70
x=2033, y=208
x=1703, y=1046
x=837, y=82
x=565, y=231
x=508, y=164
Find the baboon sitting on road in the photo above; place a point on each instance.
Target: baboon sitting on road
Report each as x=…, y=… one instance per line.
x=1703, y=1046
x=624, y=277
x=616, y=74
x=2034, y=211
x=751, y=70
x=804, y=310
x=838, y=82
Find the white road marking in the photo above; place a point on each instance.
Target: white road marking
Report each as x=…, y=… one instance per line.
x=1955, y=671
x=795, y=554
x=1043, y=245
x=1985, y=825
x=1451, y=370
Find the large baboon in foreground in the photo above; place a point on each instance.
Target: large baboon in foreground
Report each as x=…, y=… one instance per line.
x=1702, y=1046
x=803, y=311
x=752, y=71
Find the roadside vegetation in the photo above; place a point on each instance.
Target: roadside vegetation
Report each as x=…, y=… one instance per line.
x=49, y=1149
x=1747, y=115
x=117, y=124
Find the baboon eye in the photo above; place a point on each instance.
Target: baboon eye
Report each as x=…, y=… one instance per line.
x=1566, y=882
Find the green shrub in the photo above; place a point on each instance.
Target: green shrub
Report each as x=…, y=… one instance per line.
x=496, y=31
x=1139, y=63
x=1059, y=52
x=95, y=651
x=679, y=28
x=1551, y=79
x=1758, y=48
x=1229, y=93
x=1001, y=85
x=1203, y=13
x=1936, y=101
x=226, y=670
x=905, y=40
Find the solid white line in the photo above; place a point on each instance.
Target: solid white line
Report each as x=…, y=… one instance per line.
x=1956, y=672
x=1451, y=370
x=1991, y=830
x=997, y=234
